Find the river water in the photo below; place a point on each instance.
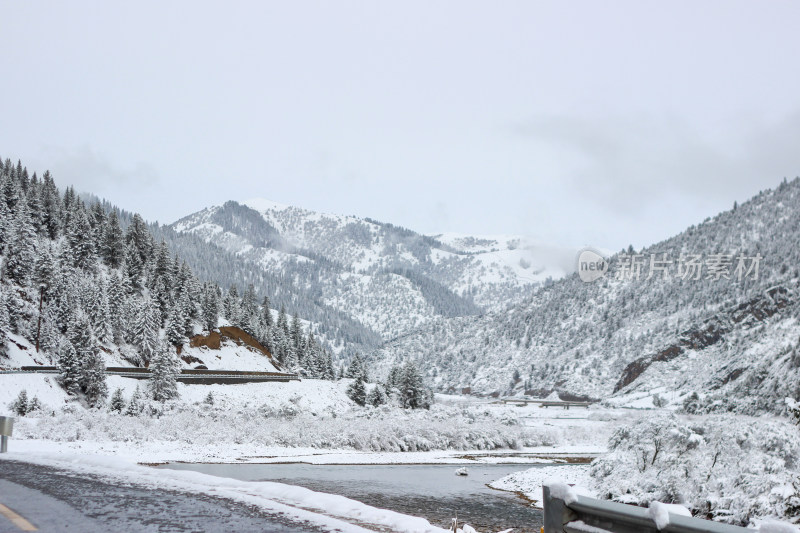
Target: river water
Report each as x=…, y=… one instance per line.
x=430, y=491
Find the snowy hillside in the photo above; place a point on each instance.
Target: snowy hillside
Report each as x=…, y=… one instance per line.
x=387, y=278
x=734, y=341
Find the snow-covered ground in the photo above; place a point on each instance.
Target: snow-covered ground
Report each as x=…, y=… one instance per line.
x=309, y=421
x=327, y=510
x=529, y=482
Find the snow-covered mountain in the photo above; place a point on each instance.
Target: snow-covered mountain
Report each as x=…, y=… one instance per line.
x=387, y=278
x=733, y=341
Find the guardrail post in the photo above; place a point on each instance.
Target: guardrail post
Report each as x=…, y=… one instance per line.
x=556, y=512
x=6, y=428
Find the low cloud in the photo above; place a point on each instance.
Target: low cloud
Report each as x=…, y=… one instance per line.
x=90, y=171
x=632, y=163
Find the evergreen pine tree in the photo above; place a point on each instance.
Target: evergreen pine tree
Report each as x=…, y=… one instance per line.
x=116, y=307
x=377, y=396
x=20, y=405
x=44, y=268
x=135, y=404
x=231, y=306
x=328, y=372
x=5, y=323
x=99, y=312
x=34, y=405
x=138, y=239
x=79, y=239
x=413, y=392
x=175, y=326
x=117, y=401
x=80, y=334
x=210, y=306
x=93, y=379
x=69, y=368
x=133, y=269
x=34, y=208
x=266, y=312
x=164, y=370
x=21, y=248
x=356, y=367
x=357, y=391
x=51, y=206
x=249, y=308
x=146, y=328
x=113, y=248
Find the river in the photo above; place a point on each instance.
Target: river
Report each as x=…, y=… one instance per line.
x=430, y=491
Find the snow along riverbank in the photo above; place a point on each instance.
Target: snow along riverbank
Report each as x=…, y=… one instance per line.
x=336, y=513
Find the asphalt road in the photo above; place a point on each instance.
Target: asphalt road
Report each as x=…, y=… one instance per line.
x=52, y=500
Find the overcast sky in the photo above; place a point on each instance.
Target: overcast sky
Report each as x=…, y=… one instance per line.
x=602, y=123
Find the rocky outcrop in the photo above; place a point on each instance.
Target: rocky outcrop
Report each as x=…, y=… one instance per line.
x=712, y=331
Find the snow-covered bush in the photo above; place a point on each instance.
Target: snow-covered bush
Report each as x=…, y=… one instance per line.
x=724, y=467
x=382, y=428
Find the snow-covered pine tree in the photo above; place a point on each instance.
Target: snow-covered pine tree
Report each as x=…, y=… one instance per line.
x=5, y=220
x=164, y=370
x=176, y=326
x=413, y=392
x=33, y=201
x=283, y=323
x=79, y=239
x=79, y=333
x=162, y=297
x=69, y=368
x=117, y=401
x=296, y=337
x=20, y=405
x=116, y=306
x=146, y=328
x=266, y=312
x=133, y=269
x=357, y=391
x=99, y=312
x=34, y=405
x=231, y=306
x=249, y=308
x=377, y=396
x=356, y=367
x=5, y=324
x=97, y=220
x=44, y=268
x=21, y=247
x=113, y=247
x=188, y=310
x=93, y=379
x=51, y=206
x=135, y=404
x=210, y=306
x=139, y=240
x=328, y=372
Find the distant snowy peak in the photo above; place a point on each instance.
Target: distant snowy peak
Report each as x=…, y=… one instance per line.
x=386, y=277
x=481, y=243
x=262, y=205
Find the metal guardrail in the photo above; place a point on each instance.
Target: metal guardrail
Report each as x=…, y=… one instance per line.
x=6, y=429
x=186, y=375
x=584, y=515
